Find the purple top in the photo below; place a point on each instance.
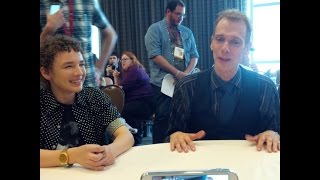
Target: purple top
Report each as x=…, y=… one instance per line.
x=136, y=83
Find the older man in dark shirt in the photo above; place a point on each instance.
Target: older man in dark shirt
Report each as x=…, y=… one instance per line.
x=226, y=101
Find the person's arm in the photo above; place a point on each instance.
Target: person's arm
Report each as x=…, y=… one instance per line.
x=165, y=65
x=193, y=54
x=270, y=114
x=108, y=35
x=180, y=108
x=54, y=22
x=180, y=112
x=109, y=39
x=192, y=64
x=49, y=158
x=116, y=77
x=123, y=140
x=91, y=156
x=270, y=106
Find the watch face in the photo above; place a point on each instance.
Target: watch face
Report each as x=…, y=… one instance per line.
x=63, y=158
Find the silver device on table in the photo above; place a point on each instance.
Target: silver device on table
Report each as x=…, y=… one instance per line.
x=210, y=174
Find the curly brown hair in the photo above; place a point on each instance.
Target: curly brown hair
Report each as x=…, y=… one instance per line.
x=50, y=47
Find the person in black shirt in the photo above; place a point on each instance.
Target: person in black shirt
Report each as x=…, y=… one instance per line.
x=74, y=119
x=226, y=101
x=113, y=64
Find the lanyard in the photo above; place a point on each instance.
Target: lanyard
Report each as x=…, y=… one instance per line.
x=69, y=31
x=174, y=35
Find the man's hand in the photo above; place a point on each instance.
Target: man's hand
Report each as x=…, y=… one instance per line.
x=109, y=157
x=91, y=156
x=55, y=21
x=109, y=70
x=180, y=75
x=183, y=141
x=270, y=138
x=116, y=73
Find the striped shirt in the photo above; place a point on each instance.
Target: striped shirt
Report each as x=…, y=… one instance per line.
x=180, y=110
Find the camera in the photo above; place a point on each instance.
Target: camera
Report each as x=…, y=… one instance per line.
x=113, y=67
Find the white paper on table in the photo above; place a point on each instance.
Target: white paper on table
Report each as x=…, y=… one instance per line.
x=168, y=84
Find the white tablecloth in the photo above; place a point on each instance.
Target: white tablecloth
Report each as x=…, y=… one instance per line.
x=239, y=156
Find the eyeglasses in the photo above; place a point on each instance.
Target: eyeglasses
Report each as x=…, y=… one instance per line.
x=179, y=15
x=125, y=59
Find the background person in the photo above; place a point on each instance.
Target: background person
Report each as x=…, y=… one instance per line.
x=135, y=82
x=172, y=49
x=112, y=64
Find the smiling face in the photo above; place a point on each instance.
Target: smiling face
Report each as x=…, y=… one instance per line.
x=228, y=45
x=67, y=74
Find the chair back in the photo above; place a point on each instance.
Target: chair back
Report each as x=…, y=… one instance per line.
x=116, y=94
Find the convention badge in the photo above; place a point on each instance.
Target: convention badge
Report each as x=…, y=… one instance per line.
x=178, y=52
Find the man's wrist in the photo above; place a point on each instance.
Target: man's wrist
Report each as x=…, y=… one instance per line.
x=178, y=72
x=46, y=32
x=49, y=29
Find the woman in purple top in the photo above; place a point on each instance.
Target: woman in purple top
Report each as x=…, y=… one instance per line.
x=138, y=92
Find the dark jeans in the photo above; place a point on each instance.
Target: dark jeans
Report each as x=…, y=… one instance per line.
x=161, y=120
x=136, y=111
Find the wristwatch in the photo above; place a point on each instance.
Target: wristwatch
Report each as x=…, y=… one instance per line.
x=64, y=158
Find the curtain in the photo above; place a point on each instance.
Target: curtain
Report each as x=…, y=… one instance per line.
x=131, y=19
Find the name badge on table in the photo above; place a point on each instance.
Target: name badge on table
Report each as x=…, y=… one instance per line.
x=178, y=52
